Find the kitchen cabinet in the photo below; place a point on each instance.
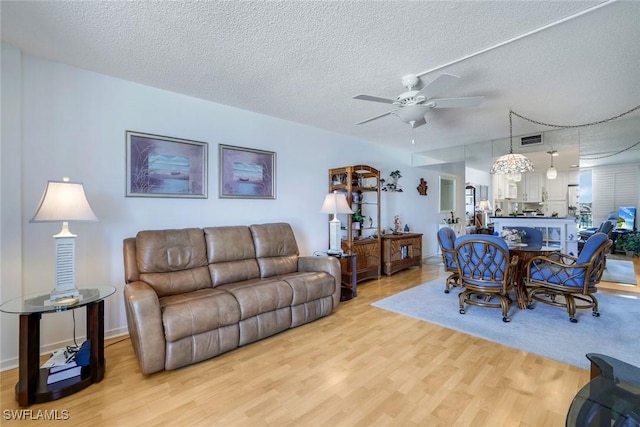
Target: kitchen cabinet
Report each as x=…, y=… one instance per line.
x=556, y=189
x=557, y=206
x=530, y=187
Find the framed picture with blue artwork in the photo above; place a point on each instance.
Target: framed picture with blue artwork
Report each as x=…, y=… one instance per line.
x=162, y=166
x=247, y=173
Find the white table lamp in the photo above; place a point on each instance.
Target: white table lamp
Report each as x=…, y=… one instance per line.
x=335, y=203
x=485, y=207
x=64, y=201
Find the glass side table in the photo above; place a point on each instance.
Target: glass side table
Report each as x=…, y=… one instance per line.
x=32, y=384
x=611, y=398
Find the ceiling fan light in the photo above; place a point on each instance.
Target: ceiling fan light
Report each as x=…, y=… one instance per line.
x=511, y=164
x=552, y=173
x=411, y=113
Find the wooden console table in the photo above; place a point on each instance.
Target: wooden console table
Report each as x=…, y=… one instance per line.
x=400, y=251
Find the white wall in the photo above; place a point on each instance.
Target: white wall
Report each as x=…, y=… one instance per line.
x=73, y=123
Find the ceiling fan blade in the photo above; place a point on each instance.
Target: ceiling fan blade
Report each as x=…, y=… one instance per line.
x=438, y=85
x=468, y=101
x=376, y=117
x=365, y=97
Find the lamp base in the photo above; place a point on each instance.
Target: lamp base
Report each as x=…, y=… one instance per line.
x=335, y=252
x=58, y=294
x=66, y=301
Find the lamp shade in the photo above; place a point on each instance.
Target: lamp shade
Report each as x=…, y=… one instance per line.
x=335, y=203
x=552, y=173
x=484, y=206
x=63, y=201
x=511, y=164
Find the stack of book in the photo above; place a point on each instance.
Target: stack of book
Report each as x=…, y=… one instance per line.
x=62, y=366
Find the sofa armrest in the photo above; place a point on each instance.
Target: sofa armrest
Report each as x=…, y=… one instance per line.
x=144, y=319
x=327, y=264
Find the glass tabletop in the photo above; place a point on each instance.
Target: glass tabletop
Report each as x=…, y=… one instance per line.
x=612, y=398
x=41, y=303
x=534, y=248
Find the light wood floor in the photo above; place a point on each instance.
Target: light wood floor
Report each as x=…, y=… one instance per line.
x=361, y=366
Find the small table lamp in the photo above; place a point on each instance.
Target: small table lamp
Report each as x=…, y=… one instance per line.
x=335, y=203
x=64, y=201
x=485, y=208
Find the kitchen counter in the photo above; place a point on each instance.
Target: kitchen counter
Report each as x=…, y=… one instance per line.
x=561, y=233
x=530, y=217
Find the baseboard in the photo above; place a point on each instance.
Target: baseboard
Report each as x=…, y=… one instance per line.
x=12, y=363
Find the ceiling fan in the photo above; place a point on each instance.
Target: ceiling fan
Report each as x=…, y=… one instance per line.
x=414, y=104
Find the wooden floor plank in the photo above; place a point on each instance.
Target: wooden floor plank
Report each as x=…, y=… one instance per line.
x=361, y=366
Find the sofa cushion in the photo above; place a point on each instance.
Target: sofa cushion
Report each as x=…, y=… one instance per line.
x=259, y=295
x=161, y=251
x=178, y=282
x=276, y=248
x=231, y=254
x=310, y=286
x=196, y=312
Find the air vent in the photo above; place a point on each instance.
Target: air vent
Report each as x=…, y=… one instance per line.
x=525, y=141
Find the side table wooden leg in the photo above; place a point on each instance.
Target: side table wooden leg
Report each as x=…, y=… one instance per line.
x=354, y=278
x=28, y=359
x=95, y=332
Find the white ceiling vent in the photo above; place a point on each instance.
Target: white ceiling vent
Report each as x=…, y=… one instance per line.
x=526, y=141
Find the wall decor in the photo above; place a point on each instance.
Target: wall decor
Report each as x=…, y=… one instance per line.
x=393, y=184
x=423, y=187
x=247, y=173
x=162, y=166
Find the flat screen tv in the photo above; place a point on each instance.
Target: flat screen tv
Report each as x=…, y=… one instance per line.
x=627, y=218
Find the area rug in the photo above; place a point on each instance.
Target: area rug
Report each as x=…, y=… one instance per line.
x=619, y=271
x=545, y=330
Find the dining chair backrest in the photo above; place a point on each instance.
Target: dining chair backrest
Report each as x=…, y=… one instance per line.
x=446, y=240
x=482, y=259
x=593, y=253
x=532, y=236
x=606, y=227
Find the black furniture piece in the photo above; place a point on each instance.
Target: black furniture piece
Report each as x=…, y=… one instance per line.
x=32, y=384
x=611, y=398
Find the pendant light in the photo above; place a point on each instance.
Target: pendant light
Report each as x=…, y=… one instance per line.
x=511, y=163
x=552, y=173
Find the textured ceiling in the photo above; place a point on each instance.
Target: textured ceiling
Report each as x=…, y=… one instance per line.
x=303, y=61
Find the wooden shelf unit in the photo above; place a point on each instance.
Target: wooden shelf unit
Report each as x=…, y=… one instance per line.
x=361, y=186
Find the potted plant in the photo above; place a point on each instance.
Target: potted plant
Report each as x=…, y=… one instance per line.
x=630, y=243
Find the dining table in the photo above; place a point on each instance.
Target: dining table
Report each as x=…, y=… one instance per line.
x=526, y=252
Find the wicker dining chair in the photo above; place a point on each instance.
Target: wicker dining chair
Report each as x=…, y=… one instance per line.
x=447, y=240
x=486, y=270
x=567, y=281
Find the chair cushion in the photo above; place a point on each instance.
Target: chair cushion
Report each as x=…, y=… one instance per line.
x=551, y=273
x=446, y=239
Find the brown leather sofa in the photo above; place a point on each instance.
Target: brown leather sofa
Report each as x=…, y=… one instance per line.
x=192, y=294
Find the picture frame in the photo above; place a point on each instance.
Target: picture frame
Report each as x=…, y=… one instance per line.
x=162, y=166
x=247, y=173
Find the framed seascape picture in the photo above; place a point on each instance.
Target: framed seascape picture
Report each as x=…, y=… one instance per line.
x=161, y=166
x=247, y=173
